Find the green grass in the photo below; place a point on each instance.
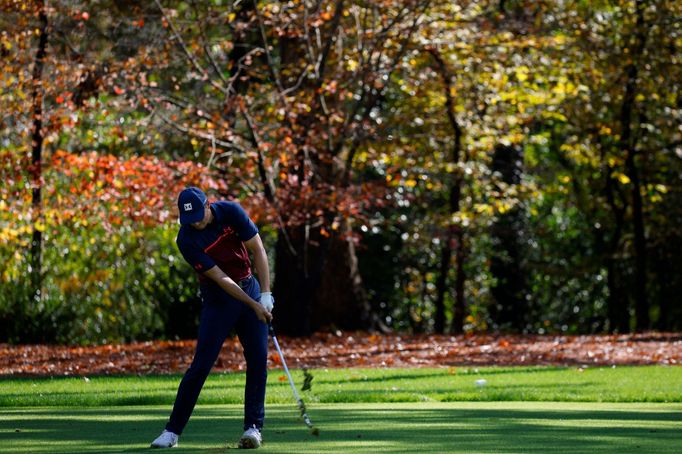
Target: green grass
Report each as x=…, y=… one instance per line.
x=431, y=427
x=518, y=410
x=620, y=384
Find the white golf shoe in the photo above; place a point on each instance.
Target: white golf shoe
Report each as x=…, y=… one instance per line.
x=165, y=440
x=251, y=439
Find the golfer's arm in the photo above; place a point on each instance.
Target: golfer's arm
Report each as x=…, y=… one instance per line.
x=230, y=286
x=260, y=259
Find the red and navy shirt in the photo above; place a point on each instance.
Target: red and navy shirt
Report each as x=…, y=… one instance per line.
x=220, y=243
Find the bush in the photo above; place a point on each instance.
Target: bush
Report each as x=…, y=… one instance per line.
x=101, y=286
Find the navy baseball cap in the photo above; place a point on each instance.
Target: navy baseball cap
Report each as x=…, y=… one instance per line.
x=191, y=203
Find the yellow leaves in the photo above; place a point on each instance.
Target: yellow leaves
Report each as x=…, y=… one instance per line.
x=565, y=88
x=565, y=179
x=560, y=40
x=17, y=236
x=522, y=73
x=624, y=179
x=537, y=98
x=605, y=130
x=656, y=197
x=483, y=208
x=362, y=157
x=352, y=64
x=661, y=188
x=512, y=139
x=10, y=80
x=7, y=235
x=555, y=116
x=411, y=183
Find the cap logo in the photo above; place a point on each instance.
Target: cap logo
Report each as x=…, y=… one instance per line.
x=188, y=207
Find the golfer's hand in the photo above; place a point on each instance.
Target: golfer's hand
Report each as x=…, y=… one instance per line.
x=263, y=314
x=267, y=301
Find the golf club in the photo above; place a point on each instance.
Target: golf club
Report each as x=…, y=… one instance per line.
x=301, y=406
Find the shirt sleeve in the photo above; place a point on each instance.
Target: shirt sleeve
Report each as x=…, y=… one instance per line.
x=233, y=214
x=197, y=258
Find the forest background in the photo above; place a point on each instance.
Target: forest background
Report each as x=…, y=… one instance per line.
x=416, y=166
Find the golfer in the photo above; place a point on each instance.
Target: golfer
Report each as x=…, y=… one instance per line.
x=214, y=239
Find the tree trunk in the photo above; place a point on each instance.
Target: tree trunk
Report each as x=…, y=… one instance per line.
x=627, y=144
x=36, y=154
x=460, y=280
x=341, y=300
x=319, y=286
x=294, y=287
x=455, y=235
x=618, y=303
x=441, y=285
x=506, y=262
x=617, y=311
x=665, y=296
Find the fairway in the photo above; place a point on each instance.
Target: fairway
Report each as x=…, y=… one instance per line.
x=520, y=427
x=517, y=410
x=565, y=384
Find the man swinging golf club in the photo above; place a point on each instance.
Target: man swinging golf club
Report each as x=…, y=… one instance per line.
x=214, y=238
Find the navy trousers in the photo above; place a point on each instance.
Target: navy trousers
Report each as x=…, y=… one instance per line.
x=219, y=314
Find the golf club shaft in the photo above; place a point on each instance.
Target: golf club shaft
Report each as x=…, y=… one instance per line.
x=306, y=419
x=286, y=369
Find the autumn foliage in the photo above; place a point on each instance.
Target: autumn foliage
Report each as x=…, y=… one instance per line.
x=449, y=166
x=139, y=189
x=86, y=186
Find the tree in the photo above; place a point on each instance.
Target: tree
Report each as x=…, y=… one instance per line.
x=507, y=262
x=307, y=97
x=620, y=129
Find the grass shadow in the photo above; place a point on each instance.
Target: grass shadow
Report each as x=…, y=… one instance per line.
x=352, y=428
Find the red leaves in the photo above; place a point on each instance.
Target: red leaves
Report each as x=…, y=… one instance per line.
x=139, y=188
x=353, y=350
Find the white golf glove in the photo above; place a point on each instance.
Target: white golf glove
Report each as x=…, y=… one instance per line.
x=267, y=301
